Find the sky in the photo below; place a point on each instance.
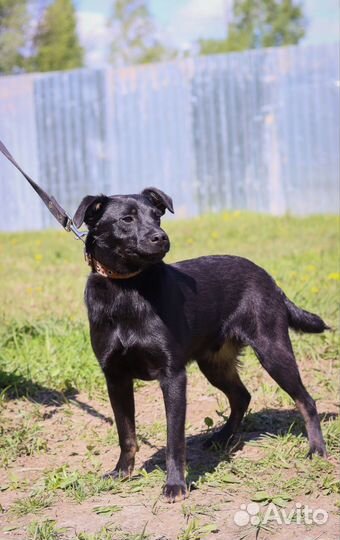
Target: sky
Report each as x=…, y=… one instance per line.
x=184, y=21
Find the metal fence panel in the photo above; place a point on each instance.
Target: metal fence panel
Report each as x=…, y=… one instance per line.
x=19, y=208
x=70, y=113
x=150, y=123
x=257, y=130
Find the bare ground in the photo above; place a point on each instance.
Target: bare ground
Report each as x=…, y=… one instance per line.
x=75, y=432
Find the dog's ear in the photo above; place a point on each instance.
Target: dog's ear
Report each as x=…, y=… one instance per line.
x=159, y=199
x=90, y=210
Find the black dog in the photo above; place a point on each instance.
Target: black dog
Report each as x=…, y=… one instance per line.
x=148, y=319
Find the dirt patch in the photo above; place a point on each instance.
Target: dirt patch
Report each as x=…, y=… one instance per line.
x=79, y=435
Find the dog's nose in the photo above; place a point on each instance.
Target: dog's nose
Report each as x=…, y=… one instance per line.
x=159, y=237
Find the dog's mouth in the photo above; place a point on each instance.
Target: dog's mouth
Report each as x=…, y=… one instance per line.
x=152, y=256
x=146, y=256
x=131, y=257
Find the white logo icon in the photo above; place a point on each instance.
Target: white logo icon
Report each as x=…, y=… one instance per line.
x=247, y=514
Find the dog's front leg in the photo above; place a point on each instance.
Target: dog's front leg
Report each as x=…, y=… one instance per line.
x=174, y=392
x=123, y=405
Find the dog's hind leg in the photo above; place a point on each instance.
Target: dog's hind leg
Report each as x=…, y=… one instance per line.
x=220, y=368
x=277, y=357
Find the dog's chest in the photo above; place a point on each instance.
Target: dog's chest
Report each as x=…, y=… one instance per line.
x=127, y=335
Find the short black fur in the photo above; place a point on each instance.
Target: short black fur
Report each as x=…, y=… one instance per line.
x=207, y=309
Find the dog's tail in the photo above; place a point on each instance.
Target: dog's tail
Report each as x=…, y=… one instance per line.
x=302, y=320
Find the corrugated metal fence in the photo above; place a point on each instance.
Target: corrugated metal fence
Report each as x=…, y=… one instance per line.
x=257, y=130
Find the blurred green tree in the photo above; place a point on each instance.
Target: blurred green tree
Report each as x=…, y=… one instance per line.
x=260, y=23
x=56, y=40
x=136, y=39
x=13, y=31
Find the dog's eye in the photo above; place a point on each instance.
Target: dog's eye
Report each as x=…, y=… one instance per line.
x=127, y=219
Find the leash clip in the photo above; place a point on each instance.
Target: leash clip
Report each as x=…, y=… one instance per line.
x=52, y=204
x=70, y=227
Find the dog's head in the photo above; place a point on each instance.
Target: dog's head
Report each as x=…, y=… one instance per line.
x=124, y=230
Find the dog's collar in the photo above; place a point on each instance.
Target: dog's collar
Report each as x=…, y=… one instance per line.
x=105, y=271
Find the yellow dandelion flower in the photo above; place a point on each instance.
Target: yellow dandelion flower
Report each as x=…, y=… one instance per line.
x=314, y=290
x=214, y=234
x=38, y=257
x=334, y=275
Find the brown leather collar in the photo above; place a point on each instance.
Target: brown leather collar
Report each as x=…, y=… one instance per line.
x=105, y=271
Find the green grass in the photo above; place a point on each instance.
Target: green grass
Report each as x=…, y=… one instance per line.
x=45, y=274
x=32, y=504
x=21, y=437
x=280, y=466
x=195, y=531
x=77, y=485
x=45, y=356
x=111, y=532
x=46, y=271
x=44, y=530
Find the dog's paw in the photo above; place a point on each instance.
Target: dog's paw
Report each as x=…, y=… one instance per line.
x=175, y=492
x=116, y=474
x=317, y=449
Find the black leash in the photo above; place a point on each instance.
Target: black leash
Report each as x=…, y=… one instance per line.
x=54, y=207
